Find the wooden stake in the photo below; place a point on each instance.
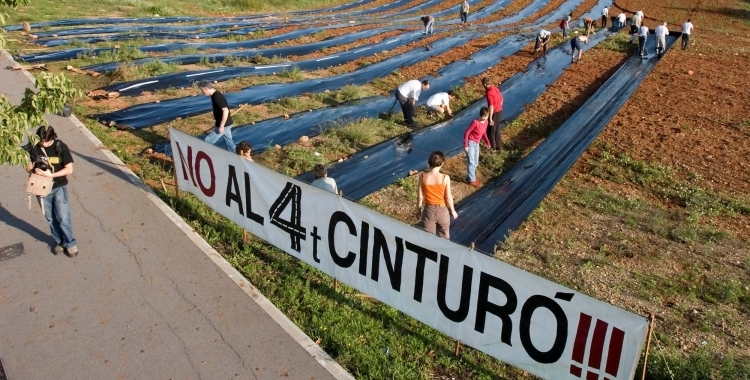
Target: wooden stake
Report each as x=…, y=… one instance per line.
x=458, y=347
x=472, y=246
x=163, y=186
x=176, y=185
x=335, y=285
x=244, y=236
x=648, y=343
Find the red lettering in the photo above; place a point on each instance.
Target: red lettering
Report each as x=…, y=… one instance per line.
x=189, y=163
x=202, y=156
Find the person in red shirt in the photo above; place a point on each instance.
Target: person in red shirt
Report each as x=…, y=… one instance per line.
x=495, y=105
x=477, y=131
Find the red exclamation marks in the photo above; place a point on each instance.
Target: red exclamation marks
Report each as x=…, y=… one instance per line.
x=614, y=352
x=579, y=346
x=597, y=346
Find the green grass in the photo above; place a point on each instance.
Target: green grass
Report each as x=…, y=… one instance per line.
x=293, y=73
x=127, y=71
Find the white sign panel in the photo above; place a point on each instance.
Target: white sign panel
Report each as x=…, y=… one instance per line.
x=517, y=317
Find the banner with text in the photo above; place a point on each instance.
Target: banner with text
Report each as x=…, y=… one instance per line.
x=515, y=316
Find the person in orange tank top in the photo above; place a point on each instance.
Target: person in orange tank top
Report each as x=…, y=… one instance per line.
x=435, y=193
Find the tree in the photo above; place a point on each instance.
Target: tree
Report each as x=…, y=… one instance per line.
x=17, y=122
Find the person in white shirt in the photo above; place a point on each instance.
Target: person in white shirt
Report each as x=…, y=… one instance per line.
x=605, y=15
x=322, y=181
x=542, y=38
x=687, y=28
x=440, y=103
x=660, y=34
x=407, y=95
x=642, y=36
x=636, y=20
x=640, y=14
x=620, y=21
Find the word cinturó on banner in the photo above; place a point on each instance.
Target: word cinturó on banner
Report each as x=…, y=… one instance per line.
x=515, y=316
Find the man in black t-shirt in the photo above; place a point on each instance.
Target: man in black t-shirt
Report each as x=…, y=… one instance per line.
x=223, y=125
x=52, y=158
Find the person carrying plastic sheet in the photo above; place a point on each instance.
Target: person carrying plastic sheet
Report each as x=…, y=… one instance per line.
x=428, y=22
x=464, y=12
x=434, y=191
x=642, y=38
x=495, y=109
x=440, y=103
x=620, y=21
x=322, y=181
x=575, y=44
x=407, y=95
x=51, y=158
x=564, y=27
x=687, y=28
x=605, y=15
x=660, y=34
x=476, y=132
x=541, y=39
x=223, y=120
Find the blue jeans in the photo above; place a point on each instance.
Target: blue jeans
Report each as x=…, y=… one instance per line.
x=57, y=213
x=428, y=28
x=472, y=160
x=214, y=136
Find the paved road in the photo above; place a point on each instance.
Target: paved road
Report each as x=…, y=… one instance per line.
x=146, y=298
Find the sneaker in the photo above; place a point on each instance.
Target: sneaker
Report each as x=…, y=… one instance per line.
x=475, y=183
x=58, y=249
x=72, y=251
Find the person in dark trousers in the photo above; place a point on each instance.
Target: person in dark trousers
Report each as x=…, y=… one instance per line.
x=429, y=23
x=495, y=109
x=605, y=15
x=434, y=191
x=464, y=12
x=475, y=133
x=407, y=95
x=223, y=120
x=642, y=37
x=687, y=28
x=51, y=158
x=633, y=33
x=575, y=44
x=564, y=27
x=541, y=39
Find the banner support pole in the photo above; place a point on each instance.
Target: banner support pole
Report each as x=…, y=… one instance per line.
x=648, y=343
x=176, y=185
x=244, y=236
x=458, y=347
x=335, y=284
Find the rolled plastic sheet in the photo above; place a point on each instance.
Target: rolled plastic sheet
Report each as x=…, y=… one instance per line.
x=374, y=168
x=146, y=115
x=489, y=215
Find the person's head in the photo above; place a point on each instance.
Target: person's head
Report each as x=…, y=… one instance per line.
x=486, y=82
x=484, y=113
x=320, y=171
x=423, y=18
x=451, y=94
x=436, y=159
x=425, y=84
x=689, y=20
x=46, y=135
x=665, y=23
x=206, y=87
x=244, y=149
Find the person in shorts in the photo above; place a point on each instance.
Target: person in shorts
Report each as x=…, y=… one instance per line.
x=434, y=192
x=575, y=44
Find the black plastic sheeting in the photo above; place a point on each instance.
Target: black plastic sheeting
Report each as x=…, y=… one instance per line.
x=282, y=131
x=285, y=51
x=146, y=115
x=488, y=216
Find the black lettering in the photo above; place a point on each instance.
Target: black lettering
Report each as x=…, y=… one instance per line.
x=363, y=240
x=423, y=254
x=249, y=203
x=315, y=237
x=527, y=311
x=340, y=216
x=393, y=266
x=503, y=312
x=291, y=195
x=463, y=308
x=233, y=190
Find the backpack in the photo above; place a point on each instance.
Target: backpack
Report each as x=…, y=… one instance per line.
x=39, y=185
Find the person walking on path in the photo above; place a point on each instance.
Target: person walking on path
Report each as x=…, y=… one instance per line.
x=436, y=195
x=605, y=16
x=495, y=109
x=322, y=181
x=575, y=44
x=245, y=150
x=564, y=27
x=440, y=103
x=642, y=38
x=51, y=158
x=660, y=34
x=541, y=39
x=407, y=95
x=476, y=132
x=464, y=12
x=223, y=120
x=429, y=23
x=687, y=28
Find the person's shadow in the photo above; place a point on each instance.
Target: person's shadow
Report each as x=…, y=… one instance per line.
x=20, y=224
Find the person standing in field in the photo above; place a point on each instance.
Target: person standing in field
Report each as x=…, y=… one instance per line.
x=660, y=34
x=495, y=109
x=407, y=95
x=575, y=44
x=636, y=20
x=642, y=39
x=541, y=39
x=687, y=28
x=440, y=103
x=564, y=27
x=464, y=12
x=476, y=132
x=436, y=195
x=222, y=118
x=429, y=23
x=605, y=15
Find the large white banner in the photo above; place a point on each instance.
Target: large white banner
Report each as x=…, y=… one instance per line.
x=515, y=316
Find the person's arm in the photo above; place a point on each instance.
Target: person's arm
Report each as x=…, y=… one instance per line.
x=467, y=133
x=448, y=109
x=224, y=117
x=486, y=139
x=490, y=106
x=420, y=195
x=67, y=169
x=449, y=197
